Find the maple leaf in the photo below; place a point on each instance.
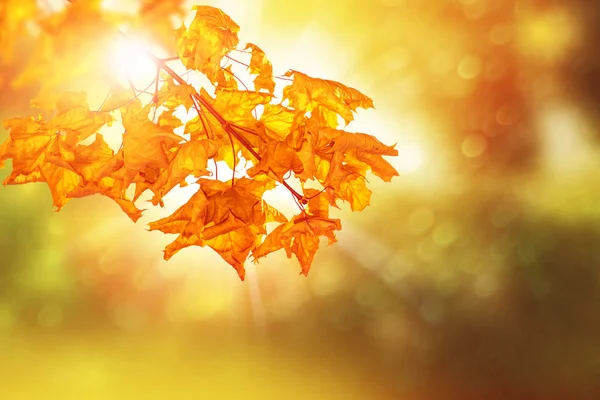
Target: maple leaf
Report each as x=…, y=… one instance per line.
x=318, y=202
x=226, y=79
x=191, y=158
x=43, y=151
x=223, y=216
x=169, y=121
x=211, y=35
x=279, y=158
x=99, y=167
x=378, y=165
x=236, y=106
x=306, y=93
x=146, y=145
x=300, y=237
x=260, y=65
x=73, y=116
x=172, y=95
x=278, y=121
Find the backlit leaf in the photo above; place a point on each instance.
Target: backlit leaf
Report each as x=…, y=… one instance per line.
x=306, y=93
x=210, y=36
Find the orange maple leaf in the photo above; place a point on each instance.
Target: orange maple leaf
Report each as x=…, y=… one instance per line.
x=227, y=217
x=260, y=65
x=300, y=237
x=210, y=36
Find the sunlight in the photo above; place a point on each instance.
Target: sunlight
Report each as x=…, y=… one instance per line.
x=283, y=200
x=410, y=158
x=130, y=62
x=51, y=6
x=124, y=6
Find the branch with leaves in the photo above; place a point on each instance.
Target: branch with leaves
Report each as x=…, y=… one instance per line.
x=297, y=137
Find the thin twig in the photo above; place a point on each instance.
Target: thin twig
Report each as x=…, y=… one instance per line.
x=283, y=78
x=241, y=128
x=244, y=85
x=322, y=190
x=130, y=100
x=155, y=95
x=237, y=61
x=105, y=99
x=234, y=160
x=200, y=115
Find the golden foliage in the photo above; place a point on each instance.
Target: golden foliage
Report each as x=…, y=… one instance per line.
x=297, y=137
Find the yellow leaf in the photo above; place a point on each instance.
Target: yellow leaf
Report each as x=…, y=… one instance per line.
x=226, y=79
x=210, y=36
x=145, y=144
x=355, y=191
x=190, y=159
x=236, y=105
x=299, y=237
x=277, y=120
x=306, y=93
x=260, y=65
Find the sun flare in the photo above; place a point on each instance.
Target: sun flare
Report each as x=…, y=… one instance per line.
x=410, y=158
x=130, y=63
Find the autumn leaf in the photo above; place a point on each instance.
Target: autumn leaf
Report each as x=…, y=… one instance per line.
x=236, y=106
x=278, y=121
x=261, y=66
x=300, y=237
x=278, y=158
x=342, y=141
x=145, y=144
x=375, y=162
x=354, y=190
x=318, y=202
x=306, y=93
x=101, y=170
x=73, y=116
x=173, y=95
x=210, y=36
x=227, y=217
x=43, y=151
x=191, y=158
x=226, y=79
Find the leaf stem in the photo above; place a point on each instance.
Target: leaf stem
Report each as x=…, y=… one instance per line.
x=283, y=78
x=200, y=116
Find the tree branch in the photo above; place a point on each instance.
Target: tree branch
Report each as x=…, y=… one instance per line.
x=229, y=128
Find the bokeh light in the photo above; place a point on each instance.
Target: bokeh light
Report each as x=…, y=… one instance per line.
x=473, y=275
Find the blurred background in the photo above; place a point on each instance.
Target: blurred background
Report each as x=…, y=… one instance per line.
x=475, y=274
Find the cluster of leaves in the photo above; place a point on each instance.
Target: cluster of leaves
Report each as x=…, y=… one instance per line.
x=298, y=137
